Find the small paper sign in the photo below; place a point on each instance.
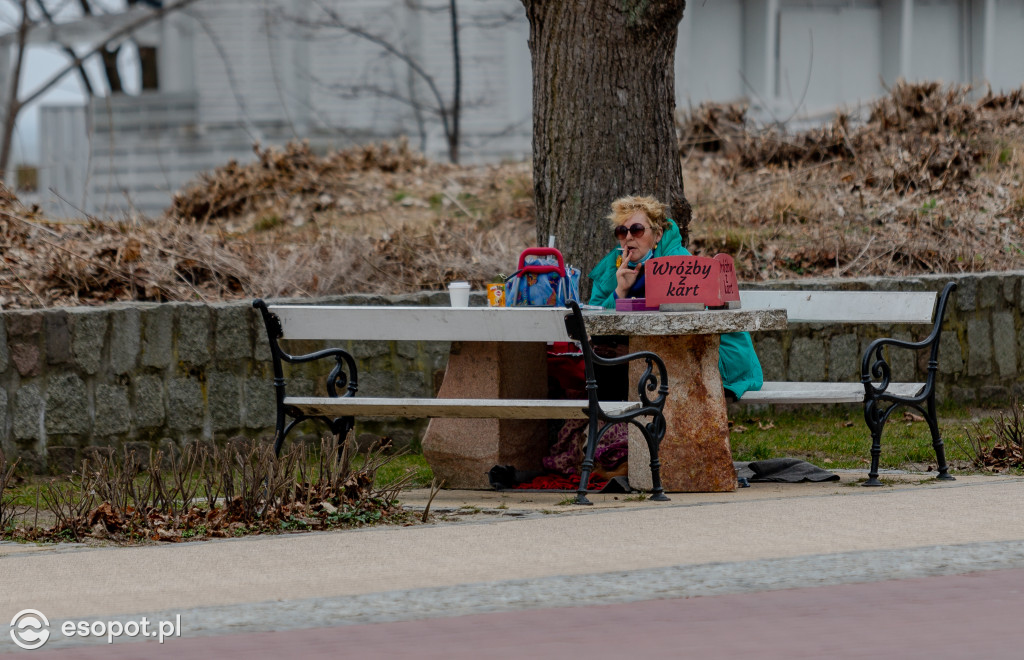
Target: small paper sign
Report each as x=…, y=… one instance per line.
x=729, y=288
x=679, y=279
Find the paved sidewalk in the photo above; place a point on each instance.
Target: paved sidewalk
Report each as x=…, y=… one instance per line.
x=519, y=552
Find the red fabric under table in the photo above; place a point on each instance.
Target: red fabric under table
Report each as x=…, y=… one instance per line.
x=555, y=482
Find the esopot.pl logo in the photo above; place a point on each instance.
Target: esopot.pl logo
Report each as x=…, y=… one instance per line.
x=29, y=629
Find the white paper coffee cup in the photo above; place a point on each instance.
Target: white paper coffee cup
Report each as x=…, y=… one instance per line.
x=459, y=292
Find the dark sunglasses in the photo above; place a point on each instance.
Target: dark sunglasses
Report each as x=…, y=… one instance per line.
x=637, y=230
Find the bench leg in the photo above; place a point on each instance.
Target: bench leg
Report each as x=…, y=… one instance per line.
x=876, y=452
x=875, y=418
x=593, y=437
x=653, y=433
x=937, y=445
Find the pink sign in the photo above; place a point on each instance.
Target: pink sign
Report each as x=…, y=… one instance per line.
x=673, y=280
x=729, y=288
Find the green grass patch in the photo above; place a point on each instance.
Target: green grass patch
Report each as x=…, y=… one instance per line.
x=839, y=438
x=397, y=468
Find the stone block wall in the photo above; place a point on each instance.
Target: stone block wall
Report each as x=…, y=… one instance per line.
x=981, y=352
x=162, y=375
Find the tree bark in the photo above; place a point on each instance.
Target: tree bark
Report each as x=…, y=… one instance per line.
x=603, y=116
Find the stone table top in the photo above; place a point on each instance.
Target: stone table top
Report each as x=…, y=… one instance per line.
x=707, y=322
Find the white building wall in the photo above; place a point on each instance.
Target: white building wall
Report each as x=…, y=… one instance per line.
x=828, y=55
x=239, y=71
x=940, y=48
x=1007, y=68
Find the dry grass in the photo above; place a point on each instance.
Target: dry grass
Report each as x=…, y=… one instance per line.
x=933, y=181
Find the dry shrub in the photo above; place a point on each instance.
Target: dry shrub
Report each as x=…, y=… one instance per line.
x=1003, y=447
x=281, y=176
x=212, y=491
x=9, y=509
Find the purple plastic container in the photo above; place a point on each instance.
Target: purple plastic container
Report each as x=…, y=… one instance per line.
x=633, y=305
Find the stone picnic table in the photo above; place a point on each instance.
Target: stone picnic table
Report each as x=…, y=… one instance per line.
x=695, y=453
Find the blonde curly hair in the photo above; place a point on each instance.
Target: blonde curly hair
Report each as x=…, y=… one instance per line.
x=625, y=207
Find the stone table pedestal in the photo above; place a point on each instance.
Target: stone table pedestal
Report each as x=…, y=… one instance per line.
x=695, y=453
x=461, y=451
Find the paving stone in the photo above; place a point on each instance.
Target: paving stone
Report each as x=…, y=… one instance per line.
x=304, y=387
x=57, y=332
x=903, y=361
x=138, y=452
x=772, y=357
x=951, y=359
x=1010, y=289
x=88, y=332
x=979, y=347
x=966, y=296
x=193, y=341
x=376, y=383
x=97, y=454
x=436, y=353
x=1004, y=342
x=224, y=394
x=113, y=411
x=62, y=459
x=260, y=406
x=232, y=335
x=28, y=412
x=410, y=350
x=363, y=350
x=989, y=291
x=157, y=331
x=5, y=354
x=962, y=394
x=4, y=434
x=184, y=404
x=24, y=324
x=844, y=358
x=149, y=401
x=411, y=384
x=260, y=344
x=26, y=359
x=125, y=339
x=67, y=405
x=807, y=359
x=993, y=394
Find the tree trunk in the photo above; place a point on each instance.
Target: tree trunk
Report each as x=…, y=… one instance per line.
x=603, y=116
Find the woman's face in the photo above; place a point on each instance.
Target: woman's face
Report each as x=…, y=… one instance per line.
x=637, y=236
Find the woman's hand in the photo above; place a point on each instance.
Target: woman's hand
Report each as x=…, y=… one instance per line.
x=625, y=277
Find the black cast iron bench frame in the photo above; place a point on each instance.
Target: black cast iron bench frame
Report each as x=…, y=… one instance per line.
x=876, y=390
x=339, y=408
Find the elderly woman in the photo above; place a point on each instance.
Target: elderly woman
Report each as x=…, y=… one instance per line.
x=643, y=231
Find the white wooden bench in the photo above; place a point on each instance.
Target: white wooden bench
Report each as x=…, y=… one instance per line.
x=879, y=395
x=286, y=323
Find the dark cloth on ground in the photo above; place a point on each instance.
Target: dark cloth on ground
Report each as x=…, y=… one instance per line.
x=783, y=470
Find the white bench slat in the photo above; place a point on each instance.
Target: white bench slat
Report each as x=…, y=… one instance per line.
x=776, y=392
x=454, y=408
x=406, y=323
x=845, y=306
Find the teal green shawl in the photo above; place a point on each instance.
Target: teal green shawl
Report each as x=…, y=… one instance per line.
x=737, y=361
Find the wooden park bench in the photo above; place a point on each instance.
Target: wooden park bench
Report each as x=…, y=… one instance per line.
x=339, y=404
x=876, y=391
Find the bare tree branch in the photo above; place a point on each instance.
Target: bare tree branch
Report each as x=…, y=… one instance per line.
x=15, y=105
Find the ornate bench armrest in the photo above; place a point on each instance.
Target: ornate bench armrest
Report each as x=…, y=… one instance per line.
x=654, y=379
x=874, y=367
x=342, y=377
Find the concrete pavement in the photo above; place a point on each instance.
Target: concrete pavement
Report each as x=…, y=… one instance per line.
x=525, y=552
